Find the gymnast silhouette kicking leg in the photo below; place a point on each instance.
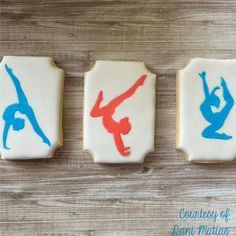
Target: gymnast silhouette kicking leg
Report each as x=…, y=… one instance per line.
x=24, y=108
x=106, y=112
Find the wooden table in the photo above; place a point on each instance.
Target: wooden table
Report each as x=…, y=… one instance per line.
x=71, y=195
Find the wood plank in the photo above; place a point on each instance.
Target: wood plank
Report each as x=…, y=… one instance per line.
x=69, y=194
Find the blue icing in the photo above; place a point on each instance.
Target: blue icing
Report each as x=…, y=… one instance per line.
x=216, y=119
x=24, y=108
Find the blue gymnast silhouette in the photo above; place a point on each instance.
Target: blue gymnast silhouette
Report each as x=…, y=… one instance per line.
x=24, y=108
x=216, y=119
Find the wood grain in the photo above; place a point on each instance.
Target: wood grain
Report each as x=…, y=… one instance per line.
x=69, y=194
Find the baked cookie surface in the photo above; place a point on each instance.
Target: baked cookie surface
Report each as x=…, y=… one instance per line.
x=31, y=91
x=119, y=111
x=206, y=111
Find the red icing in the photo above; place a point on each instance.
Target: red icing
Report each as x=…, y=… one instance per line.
x=106, y=112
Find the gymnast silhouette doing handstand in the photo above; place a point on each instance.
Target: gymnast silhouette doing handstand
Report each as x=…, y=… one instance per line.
x=24, y=108
x=106, y=112
x=216, y=119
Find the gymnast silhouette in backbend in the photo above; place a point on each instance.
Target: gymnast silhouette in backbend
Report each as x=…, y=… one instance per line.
x=216, y=119
x=106, y=112
x=22, y=107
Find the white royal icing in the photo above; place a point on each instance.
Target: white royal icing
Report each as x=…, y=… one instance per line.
x=119, y=121
x=30, y=107
x=206, y=110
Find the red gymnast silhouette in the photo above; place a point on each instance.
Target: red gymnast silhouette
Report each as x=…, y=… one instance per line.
x=106, y=112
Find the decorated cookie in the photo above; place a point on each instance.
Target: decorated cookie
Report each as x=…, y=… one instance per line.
x=119, y=111
x=30, y=107
x=206, y=110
